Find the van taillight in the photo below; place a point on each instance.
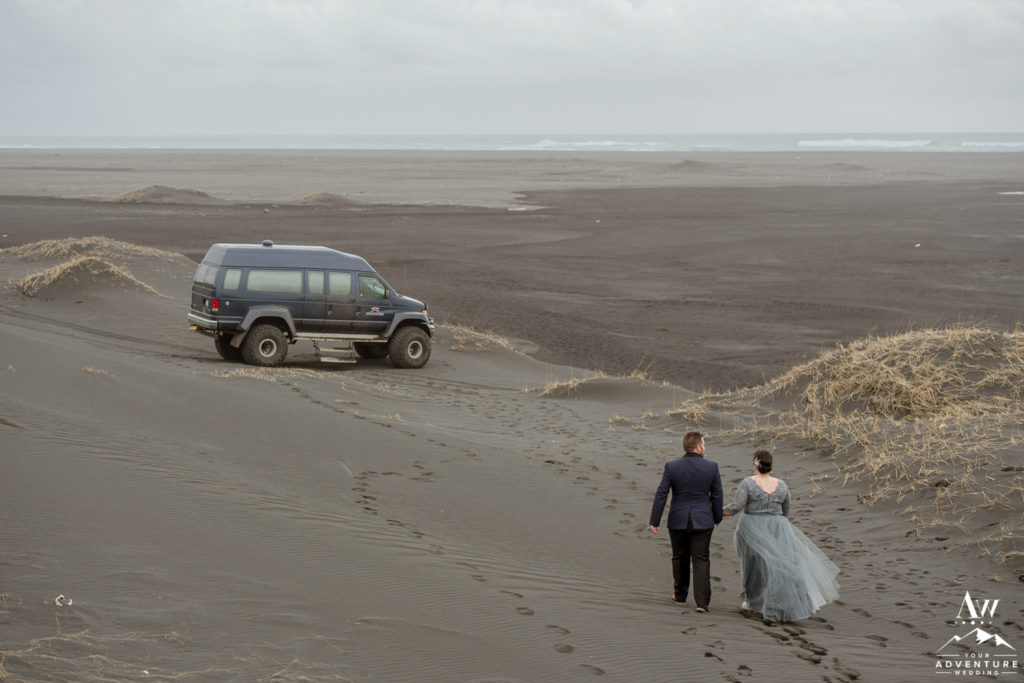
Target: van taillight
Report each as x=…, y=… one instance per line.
x=215, y=305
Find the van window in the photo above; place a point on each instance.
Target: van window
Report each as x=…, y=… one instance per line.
x=276, y=281
x=206, y=273
x=340, y=283
x=371, y=287
x=232, y=278
x=315, y=281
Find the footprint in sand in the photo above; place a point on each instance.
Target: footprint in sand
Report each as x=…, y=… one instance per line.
x=851, y=674
x=813, y=648
x=525, y=611
x=863, y=612
x=559, y=629
x=513, y=594
x=777, y=636
x=743, y=672
x=564, y=649
x=597, y=671
x=878, y=639
x=712, y=655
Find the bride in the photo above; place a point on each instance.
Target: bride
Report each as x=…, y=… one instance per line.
x=785, y=576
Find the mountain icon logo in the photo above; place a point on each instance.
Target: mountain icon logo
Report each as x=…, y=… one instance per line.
x=977, y=637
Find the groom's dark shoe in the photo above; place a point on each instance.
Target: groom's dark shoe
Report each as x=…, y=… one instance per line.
x=676, y=599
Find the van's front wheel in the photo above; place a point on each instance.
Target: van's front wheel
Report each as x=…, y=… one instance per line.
x=265, y=345
x=409, y=347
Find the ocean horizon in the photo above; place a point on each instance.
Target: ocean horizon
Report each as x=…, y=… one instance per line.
x=668, y=142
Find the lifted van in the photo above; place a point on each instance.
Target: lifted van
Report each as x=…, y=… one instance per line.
x=256, y=299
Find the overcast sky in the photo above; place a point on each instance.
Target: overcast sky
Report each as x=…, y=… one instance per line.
x=509, y=66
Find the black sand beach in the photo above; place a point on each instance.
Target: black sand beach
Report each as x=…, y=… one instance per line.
x=483, y=518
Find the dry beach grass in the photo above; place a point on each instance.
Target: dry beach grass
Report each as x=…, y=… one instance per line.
x=930, y=419
x=75, y=259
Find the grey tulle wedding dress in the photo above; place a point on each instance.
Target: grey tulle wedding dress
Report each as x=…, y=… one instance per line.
x=785, y=576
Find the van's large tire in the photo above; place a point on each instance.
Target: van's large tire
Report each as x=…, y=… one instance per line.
x=409, y=347
x=225, y=349
x=265, y=345
x=366, y=350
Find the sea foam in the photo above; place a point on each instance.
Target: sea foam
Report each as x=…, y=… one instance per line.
x=995, y=146
x=854, y=143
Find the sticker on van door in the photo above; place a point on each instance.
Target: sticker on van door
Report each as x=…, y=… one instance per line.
x=375, y=310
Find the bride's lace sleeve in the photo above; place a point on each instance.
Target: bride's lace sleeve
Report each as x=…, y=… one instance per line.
x=740, y=501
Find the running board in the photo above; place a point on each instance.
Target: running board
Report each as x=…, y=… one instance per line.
x=326, y=336
x=349, y=357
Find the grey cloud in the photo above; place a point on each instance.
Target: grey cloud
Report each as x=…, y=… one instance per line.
x=541, y=66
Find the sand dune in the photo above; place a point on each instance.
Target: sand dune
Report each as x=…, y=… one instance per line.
x=484, y=518
x=929, y=420
x=73, y=276
x=700, y=166
x=84, y=264
x=161, y=194
x=325, y=198
x=218, y=521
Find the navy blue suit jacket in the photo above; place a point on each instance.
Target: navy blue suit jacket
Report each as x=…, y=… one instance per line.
x=696, y=493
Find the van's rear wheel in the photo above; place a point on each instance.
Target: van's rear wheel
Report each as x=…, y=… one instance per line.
x=265, y=345
x=225, y=349
x=366, y=350
x=409, y=347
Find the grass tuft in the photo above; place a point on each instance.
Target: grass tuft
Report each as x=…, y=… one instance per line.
x=76, y=269
x=467, y=338
x=926, y=415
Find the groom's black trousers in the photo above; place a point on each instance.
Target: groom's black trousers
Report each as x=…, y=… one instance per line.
x=691, y=545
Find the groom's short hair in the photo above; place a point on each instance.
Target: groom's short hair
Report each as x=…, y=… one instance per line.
x=691, y=441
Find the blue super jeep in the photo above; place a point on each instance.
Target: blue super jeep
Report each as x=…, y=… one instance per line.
x=255, y=299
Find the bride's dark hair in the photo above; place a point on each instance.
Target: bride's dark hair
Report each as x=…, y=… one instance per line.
x=763, y=461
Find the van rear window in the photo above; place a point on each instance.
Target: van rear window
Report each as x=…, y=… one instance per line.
x=276, y=281
x=206, y=274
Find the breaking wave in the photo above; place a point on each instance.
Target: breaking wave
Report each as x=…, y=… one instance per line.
x=854, y=143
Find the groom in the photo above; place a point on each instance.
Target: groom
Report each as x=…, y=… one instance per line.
x=695, y=512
